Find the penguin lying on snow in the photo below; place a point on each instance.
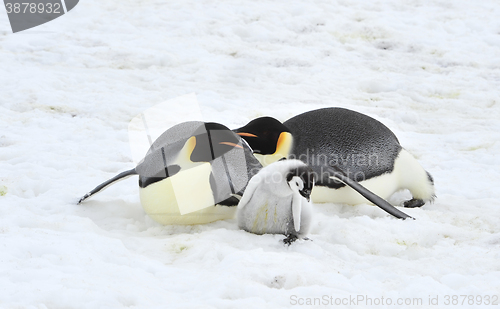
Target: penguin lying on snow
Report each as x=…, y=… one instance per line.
x=363, y=148
x=192, y=165
x=277, y=201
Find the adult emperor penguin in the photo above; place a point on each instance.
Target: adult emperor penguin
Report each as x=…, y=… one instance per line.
x=192, y=173
x=277, y=201
x=363, y=148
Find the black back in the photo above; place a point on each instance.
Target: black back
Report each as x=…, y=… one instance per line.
x=158, y=162
x=360, y=145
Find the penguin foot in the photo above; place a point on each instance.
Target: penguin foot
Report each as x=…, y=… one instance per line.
x=290, y=239
x=413, y=203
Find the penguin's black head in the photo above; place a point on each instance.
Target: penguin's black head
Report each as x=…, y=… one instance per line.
x=212, y=141
x=263, y=134
x=308, y=177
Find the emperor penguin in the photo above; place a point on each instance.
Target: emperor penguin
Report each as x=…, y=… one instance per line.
x=277, y=201
x=330, y=139
x=192, y=174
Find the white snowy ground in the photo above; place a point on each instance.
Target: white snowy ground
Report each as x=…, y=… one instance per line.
x=429, y=70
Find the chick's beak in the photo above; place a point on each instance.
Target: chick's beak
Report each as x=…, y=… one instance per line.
x=306, y=193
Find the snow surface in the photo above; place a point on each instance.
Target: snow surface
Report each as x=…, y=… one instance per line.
x=428, y=69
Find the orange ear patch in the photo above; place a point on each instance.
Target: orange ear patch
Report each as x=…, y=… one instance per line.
x=190, y=145
x=284, y=144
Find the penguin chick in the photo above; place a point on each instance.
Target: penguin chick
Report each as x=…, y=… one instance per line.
x=277, y=201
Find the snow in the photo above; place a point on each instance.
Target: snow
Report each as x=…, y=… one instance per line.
x=428, y=69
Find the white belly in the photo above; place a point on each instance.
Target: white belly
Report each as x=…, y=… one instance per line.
x=407, y=174
x=185, y=198
x=384, y=186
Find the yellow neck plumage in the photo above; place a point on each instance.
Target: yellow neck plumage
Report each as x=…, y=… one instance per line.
x=283, y=148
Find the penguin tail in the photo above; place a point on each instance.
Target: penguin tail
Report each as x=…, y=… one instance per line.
x=414, y=178
x=109, y=182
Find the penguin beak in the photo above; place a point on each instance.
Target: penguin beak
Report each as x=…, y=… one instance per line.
x=306, y=193
x=246, y=134
x=231, y=144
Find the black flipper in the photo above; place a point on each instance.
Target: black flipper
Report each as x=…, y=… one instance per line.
x=372, y=197
x=103, y=185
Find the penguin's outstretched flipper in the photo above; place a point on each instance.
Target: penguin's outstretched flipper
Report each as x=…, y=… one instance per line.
x=109, y=182
x=372, y=197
